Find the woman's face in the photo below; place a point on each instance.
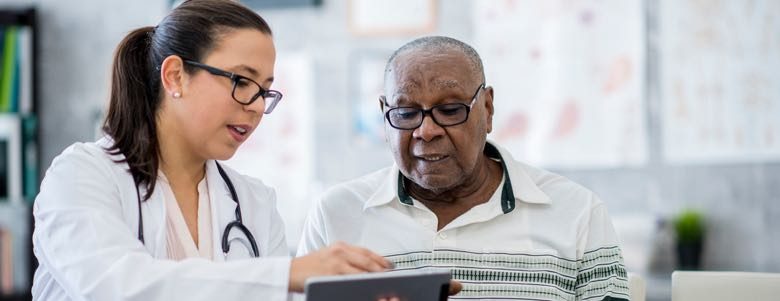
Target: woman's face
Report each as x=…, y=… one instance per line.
x=209, y=121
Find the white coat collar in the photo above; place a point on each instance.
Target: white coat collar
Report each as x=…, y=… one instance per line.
x=223, y=206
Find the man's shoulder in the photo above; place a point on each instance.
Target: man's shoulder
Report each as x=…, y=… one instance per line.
x=357, y=190
x=560, y=189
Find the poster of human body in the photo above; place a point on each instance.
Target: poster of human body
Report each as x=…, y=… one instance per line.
x=720, y=97
x=568, y=79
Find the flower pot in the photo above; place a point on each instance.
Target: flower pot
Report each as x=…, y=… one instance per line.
x=689, y=255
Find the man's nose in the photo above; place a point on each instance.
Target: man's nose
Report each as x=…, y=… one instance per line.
x=429, y=129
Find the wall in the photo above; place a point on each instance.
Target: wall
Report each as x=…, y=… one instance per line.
x=77, y=40
x=741, y=201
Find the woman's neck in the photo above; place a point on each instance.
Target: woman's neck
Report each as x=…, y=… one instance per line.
x=178, y=162
x=180, y=171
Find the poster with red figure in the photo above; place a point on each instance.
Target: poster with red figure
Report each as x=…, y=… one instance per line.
x=568, y=80
x=719, y=89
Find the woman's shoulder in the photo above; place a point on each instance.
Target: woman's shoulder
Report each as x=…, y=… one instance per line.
x=87, y=152
x=256, y=187
x=87, y=159
x=82, y=166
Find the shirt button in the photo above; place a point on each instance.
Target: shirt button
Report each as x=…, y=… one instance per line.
x=443, y=235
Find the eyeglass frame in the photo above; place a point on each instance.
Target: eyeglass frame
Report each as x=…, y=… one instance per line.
x=277, y=96
x=430, y=111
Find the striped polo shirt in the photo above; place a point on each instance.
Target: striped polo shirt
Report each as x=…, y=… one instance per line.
x=540, y=236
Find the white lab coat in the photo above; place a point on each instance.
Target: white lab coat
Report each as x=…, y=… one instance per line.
x=85, y=237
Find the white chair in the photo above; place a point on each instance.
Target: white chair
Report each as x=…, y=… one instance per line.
x=636, y=287
x=717, y=286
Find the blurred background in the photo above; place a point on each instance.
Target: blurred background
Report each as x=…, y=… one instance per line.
x=665, y=108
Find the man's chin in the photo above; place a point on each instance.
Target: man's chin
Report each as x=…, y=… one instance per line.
x=434, y=183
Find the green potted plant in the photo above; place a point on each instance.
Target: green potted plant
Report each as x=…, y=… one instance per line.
x=689, y=226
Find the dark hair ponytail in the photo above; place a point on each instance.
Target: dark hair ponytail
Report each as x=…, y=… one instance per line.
x=189, y=31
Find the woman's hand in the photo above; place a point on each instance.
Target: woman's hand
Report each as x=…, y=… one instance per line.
x=336, y=259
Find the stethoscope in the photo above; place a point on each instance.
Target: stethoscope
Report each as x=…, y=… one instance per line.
x=238, y=223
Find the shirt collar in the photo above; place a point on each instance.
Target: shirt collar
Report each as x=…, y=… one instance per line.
x=518, y=185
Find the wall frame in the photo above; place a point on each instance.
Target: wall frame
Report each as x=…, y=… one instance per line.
x=391, y=17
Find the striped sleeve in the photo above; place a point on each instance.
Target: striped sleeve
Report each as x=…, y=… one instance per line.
x=601, y=274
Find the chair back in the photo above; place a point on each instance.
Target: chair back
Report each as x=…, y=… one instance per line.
x=722, y=286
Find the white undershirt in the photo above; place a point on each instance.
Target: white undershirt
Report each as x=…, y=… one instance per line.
x=179, y=242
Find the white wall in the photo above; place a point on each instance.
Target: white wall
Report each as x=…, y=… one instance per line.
x=742, y=201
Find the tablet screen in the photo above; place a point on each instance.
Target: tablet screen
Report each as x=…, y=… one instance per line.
x=407, y=285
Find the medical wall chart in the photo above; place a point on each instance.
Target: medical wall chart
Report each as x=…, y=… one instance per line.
x=568, y=79
x=719, y=66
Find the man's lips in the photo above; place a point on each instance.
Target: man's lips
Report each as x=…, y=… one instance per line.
x=431, y=157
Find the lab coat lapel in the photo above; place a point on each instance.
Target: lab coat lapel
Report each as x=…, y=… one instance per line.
x=223, y=207
x=152, y=209
x=154, y=218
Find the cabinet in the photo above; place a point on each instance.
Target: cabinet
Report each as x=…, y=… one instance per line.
x=19, y=175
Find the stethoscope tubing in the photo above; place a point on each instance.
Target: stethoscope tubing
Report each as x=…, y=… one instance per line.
x=238, y=223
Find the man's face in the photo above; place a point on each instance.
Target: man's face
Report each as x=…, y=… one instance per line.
x=437, y=158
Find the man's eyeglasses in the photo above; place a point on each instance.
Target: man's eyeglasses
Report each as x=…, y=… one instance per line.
x=245, y=90
x=448, y=114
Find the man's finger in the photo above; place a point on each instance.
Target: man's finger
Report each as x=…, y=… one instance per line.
x=375, y=257
x=455, y=287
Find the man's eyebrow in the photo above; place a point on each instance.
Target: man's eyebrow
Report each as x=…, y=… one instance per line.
x=408, y=87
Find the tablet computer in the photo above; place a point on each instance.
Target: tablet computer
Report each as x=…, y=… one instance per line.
x=415, y=285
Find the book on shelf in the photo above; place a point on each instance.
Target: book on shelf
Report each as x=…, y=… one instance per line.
x=16, y=69
x=29, y=157
x=6, y=262
x=18, y=124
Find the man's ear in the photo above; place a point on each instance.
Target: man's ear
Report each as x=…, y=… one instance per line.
x=382, y=102
x=172, y=75
x=489, y=107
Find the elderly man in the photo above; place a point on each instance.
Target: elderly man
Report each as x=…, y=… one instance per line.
x=455, y=200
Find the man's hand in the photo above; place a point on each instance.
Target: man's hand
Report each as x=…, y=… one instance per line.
x=455, y=287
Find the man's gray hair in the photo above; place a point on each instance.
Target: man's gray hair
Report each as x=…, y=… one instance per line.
x=438, y=44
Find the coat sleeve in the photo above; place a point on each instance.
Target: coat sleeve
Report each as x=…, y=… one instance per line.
x=601, y=274
x=82, y=240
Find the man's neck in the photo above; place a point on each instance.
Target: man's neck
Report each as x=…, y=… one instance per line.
x=451, y=203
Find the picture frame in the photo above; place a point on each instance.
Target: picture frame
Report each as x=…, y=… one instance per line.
x=391, y=17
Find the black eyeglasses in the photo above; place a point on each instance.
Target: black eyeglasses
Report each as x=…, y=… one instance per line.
x=448, y=114
x=245, y=90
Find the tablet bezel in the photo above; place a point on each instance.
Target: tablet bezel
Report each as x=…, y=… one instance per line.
x=408, y=285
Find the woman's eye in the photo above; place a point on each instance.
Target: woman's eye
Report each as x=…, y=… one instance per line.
x=242, y=83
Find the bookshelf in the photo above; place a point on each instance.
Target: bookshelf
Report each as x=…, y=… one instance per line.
x=19, y=138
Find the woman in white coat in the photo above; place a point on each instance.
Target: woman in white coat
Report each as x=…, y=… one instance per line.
x=147, y=212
